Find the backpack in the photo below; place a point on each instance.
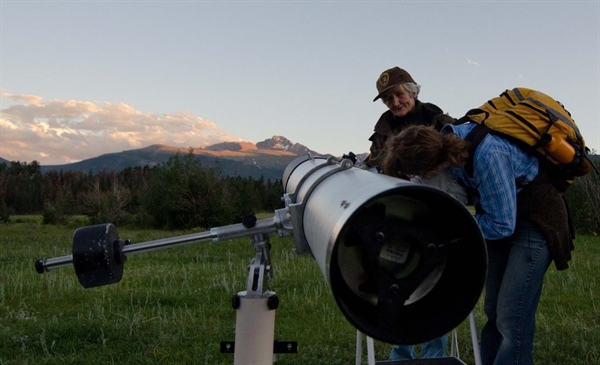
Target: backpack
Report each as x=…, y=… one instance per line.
x=538, y=123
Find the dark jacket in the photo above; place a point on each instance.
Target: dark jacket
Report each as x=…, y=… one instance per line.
x=541, y=203
x=388, y=125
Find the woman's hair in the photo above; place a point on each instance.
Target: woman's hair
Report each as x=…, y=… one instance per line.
x=413, y=88
x=420, y=150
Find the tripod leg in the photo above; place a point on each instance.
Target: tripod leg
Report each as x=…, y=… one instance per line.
x=359, y=339
x=475, y=339
x=254, y=330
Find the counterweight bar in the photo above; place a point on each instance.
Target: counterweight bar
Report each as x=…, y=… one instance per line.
x=263, y=226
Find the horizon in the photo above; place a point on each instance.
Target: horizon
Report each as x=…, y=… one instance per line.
x=167, y=147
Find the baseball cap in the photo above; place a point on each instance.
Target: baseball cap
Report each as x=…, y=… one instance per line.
x=390, y=79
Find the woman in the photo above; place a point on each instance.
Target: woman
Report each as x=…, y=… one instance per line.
x=400, y=94
x=525, y=223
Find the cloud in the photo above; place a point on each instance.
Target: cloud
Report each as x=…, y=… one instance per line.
x=473, y=63
x=28, y=99
x=63, y=131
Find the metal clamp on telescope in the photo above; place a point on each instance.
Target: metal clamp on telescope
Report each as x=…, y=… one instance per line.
x=405, y=262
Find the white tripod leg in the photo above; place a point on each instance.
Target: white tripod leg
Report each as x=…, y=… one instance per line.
x=474, y=339
x=254, y=330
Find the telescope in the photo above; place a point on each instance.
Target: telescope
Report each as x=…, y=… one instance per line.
x=405, y=262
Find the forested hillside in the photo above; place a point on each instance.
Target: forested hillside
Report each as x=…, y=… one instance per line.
x=183, y=193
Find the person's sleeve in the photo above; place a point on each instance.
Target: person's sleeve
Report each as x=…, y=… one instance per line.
x=446, y=182
x=375, y=151
x=443, y=119
x=456, y=190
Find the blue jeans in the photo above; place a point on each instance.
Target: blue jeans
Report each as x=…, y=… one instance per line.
x=430, y=349
x=513, y=287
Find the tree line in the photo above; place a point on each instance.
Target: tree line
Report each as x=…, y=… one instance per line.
x=182, y=194
x=179, y=194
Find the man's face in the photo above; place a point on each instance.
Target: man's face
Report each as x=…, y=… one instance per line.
x=399, y=101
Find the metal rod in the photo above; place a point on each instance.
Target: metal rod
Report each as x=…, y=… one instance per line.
x=263, y=226
x=165, y=243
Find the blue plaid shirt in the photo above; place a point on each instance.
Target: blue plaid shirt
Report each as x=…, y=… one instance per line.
x=500, y=169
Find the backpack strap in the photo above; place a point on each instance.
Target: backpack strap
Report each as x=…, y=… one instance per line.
x=474, y=138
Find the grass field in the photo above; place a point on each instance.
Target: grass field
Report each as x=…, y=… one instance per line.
x=174, y=306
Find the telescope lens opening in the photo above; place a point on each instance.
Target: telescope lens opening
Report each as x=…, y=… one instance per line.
x=408, y=265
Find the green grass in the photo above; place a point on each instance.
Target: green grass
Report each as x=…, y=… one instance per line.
x=174, y=306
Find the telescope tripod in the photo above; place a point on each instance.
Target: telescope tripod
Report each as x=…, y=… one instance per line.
x=454, y=353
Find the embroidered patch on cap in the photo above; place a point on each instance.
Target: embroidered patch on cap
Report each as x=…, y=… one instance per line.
x=384, y=79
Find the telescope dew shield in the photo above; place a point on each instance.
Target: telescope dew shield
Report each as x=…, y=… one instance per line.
x=406, y=262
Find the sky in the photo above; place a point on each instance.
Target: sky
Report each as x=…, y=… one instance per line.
x=79, y=79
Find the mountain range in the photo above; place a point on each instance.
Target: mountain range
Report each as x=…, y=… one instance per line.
x=267, y=159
